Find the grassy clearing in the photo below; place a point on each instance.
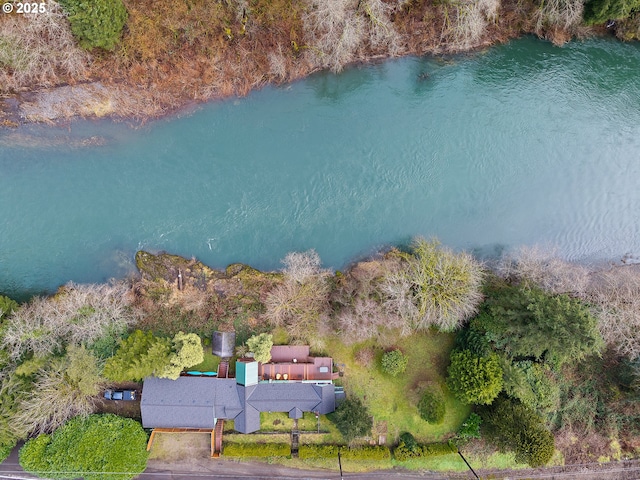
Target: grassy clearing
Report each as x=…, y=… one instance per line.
x=392, y=400
x=257, y=437
x=210, y=362
x=280, y=422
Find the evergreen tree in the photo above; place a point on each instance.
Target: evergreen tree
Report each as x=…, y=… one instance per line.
x=473, y=378
x=353, y=419
x=510, y=425
x=530, y=323
x=599, y=11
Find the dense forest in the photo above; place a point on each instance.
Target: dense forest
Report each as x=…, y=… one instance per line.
x=530, y=354
x=142, y=57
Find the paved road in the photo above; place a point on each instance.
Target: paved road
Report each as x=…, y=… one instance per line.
x=231, y=470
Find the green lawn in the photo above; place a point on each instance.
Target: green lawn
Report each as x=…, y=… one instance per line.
x=209, y=364
x=392, y=400
x=256, y=438
x=453, y=462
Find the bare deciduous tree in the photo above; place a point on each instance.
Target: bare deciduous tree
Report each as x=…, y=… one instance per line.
x=300, y=267
x=466, y=25
x=615, y=294
x=298, y=307
x=366, y=319
x=434, y=286
x=66, y=388
x=301, y=302
x=78, y=314
x=380, y=28
x=563, y=14
x=278, y=64
x=545, y=269
x=334, y=31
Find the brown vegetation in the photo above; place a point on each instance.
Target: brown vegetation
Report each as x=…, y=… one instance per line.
x=173, y=53
x=38, y=50
x=301, y=303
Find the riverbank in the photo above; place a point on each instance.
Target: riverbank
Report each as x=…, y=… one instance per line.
x=169, y=58
x=352, y=317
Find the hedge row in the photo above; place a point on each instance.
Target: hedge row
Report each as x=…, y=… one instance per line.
x=318, y=451
x=331, y=451
x=257, y=450
x=404, y=452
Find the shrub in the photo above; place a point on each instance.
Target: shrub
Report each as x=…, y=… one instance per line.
x=96, y=23
x=99, y=447
x=5, y=450
x=437, y=449
x=473, y=378
x=334, y=31
x=12, y=391
x=409, y=440
x=261, y=345
x=33, y=457
x=375, y=452
x=408, y=449
x=36, y=48
x=257, y=450
x=432, y=406
x=510, y=425
x=469, y=429
x=394, y=362
x=534, y=385
x=365, y=356
x=352, y=419
x=318, y=451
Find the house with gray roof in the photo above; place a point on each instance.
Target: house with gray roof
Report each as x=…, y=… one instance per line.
x=193, y=402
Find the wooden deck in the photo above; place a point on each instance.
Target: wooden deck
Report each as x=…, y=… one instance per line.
x=286, y=353
x=316, y=368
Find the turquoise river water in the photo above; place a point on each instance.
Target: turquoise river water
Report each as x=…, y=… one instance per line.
x=525, y=143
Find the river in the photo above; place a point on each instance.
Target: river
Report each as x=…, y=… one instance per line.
x=522, y=144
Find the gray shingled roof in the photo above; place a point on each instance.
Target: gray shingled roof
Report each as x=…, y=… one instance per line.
x=283, y=397
x=194, y=402
x=188, y=402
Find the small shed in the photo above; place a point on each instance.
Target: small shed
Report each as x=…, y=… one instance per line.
x=223, y=344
